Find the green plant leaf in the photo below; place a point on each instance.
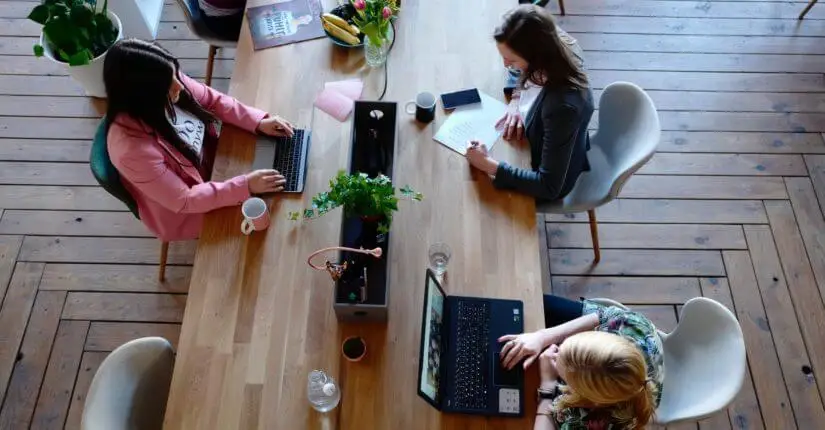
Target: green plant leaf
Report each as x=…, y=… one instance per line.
x=38, y=50
x=81, y=58
x=40, y=14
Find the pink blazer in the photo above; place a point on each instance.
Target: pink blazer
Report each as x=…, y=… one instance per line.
x=170, y=192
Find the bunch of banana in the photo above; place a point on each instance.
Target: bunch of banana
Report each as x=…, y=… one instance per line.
x=341, y=29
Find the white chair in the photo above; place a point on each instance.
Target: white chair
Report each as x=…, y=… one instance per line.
x=626, y=139
x=130, y=388
x=705, y=361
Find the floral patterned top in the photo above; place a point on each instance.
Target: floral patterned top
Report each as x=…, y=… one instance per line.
x=634, y=327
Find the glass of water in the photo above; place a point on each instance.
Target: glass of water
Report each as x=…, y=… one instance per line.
x=439, y=257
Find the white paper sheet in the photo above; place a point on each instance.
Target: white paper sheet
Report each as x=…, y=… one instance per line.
x=472, y=122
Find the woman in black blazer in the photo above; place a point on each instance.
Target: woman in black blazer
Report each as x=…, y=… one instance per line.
x=550, y=66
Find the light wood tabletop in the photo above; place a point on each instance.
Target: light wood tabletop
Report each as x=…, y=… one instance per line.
x=258, y=319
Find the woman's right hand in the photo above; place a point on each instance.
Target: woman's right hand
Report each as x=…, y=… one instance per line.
x=512, y=122
x=265, y=181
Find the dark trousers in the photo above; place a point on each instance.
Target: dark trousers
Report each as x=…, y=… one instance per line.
x=226, y=27
x=558, y=310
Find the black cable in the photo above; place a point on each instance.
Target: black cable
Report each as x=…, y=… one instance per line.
x=386, y=66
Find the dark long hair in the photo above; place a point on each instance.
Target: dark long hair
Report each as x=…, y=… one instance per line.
x=531, y=32
x=138, y=75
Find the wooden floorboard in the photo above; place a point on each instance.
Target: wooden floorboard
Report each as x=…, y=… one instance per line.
x=730, y=207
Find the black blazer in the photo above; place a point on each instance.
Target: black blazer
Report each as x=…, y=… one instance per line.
x=556, y=128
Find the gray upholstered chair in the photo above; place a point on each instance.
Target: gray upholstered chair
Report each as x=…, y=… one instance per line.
x=192, y=14
x=705, y=361
x=626, y=138
x=130, y=388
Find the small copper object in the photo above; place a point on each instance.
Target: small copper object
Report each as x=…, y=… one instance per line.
x=336, y=270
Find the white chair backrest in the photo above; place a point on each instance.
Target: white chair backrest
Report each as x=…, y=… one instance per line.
x=627, y=136
x=705, y=362
x=628, y=130
x=130, y=388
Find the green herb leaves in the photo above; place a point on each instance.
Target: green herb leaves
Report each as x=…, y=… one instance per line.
x=74, y=31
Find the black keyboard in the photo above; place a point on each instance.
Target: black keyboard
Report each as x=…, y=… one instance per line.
x=289, y=159
x=472, y=355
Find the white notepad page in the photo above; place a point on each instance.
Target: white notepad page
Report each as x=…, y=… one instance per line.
x=472, y=122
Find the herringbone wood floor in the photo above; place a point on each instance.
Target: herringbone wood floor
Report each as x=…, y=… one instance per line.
x=730, y=207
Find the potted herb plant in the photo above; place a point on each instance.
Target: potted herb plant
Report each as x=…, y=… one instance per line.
x=373, y=18
x=371, y=199
x=77, y=34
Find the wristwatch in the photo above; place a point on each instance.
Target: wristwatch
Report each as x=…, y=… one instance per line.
x=549, y=394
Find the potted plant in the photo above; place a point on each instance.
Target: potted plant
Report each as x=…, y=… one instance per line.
x=77, y=35
x=354, y=348
x=373, y=18
x=371, y=199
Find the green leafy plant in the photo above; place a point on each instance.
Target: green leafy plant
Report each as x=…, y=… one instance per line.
x=373, y=18
x=361, y=196
x=74, y=30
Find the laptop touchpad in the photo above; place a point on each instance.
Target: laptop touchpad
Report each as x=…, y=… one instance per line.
x=506, y=378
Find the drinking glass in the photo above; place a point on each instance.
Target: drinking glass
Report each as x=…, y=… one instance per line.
x=439, y=257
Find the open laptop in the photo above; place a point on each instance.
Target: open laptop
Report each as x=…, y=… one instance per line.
x=287, y=155
x=460, y=368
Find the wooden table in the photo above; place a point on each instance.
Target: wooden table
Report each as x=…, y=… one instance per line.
x=258, y=319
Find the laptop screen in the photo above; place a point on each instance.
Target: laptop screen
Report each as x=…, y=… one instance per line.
x=431, y=352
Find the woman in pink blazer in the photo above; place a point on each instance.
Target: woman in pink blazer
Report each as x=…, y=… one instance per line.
x=162, y=139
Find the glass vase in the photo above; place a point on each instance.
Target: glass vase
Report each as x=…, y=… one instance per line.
x=377, y=54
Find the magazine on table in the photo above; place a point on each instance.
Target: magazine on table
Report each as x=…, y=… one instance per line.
x=284, y=22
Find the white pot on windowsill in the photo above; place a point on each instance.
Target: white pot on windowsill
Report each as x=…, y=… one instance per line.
x=90, y=76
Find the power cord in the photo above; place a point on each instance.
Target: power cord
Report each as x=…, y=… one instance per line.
x=386, y=64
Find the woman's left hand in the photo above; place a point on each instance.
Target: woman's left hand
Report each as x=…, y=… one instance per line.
x=479, y=158
x=547, y=365
x=275, y=126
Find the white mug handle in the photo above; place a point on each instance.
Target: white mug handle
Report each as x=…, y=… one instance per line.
x=407, y=106
x=246, y=227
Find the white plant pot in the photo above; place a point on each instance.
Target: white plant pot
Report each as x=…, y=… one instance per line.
x=89, y=76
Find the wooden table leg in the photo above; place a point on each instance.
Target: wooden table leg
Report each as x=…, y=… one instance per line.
x=594, y=234
x=807, y=8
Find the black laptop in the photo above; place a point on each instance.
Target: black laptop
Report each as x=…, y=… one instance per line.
x=287, y=155
x=460, y=368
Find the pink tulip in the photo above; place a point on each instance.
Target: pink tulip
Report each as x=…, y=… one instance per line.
x=386, y=12
x=360, y=4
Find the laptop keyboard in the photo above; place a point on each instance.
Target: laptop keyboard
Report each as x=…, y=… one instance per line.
x=472, y=355
x=288, y=158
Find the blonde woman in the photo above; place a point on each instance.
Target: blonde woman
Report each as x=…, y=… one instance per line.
x=602, y=370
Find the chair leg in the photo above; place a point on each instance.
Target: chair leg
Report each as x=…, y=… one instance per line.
x=164, y=251
x=807, y=8
x=210, y=62
x=561, y=6
x=594, y=234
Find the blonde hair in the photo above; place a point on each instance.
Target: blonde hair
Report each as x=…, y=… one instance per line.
x=605, y=370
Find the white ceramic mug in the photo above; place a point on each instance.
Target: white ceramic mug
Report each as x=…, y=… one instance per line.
x=255, y=215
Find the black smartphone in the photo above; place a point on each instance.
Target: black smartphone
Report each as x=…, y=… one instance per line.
x=460, y=98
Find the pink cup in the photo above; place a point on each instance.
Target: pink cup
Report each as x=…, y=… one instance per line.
x=255, y=215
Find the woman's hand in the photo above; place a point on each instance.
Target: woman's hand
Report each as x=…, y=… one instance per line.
x=512, y=122
x=528, y=345
x=547, y=366
x=265, y=181
x=478, y=158
x=275, y=126
x=525, y=346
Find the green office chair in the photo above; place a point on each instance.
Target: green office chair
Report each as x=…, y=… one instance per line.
x=109, y=178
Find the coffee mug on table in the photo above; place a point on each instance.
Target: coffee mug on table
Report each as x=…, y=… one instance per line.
x=255, y=215
x=423, y=107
